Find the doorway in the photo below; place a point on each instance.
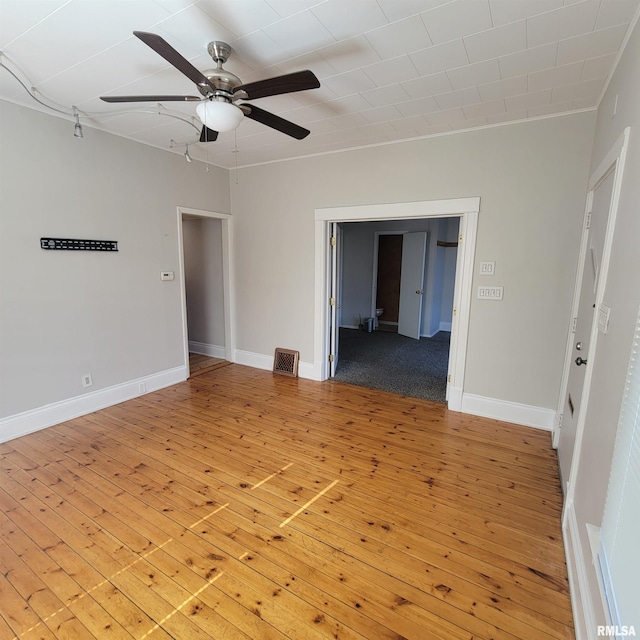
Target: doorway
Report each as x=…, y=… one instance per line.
x=387, y=273
x=411, y=283
x=466, y=209
x=205, y=281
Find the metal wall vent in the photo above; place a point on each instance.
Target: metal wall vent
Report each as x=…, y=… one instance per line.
x=285, y=362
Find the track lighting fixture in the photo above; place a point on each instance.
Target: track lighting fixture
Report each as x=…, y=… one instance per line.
x=187, y=157
x=77, y=129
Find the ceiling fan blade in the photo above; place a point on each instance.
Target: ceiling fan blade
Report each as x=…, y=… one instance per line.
x=150, y=98
x=275, y=122
x=164, y=49
x=208, y=135
x=298, y=81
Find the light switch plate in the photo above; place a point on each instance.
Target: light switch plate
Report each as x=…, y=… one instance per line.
x=166, y=275
x=490, y=293
x=603, y=318
x=487, y=268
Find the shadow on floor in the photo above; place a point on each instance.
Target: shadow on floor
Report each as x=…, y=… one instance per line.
x=395, y=363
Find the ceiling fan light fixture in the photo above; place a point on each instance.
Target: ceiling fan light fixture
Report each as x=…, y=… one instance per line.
x=219, y=115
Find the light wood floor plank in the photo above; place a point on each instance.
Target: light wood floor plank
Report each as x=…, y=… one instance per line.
x=241, y=504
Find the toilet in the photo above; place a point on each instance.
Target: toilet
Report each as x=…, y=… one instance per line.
x=379, y=312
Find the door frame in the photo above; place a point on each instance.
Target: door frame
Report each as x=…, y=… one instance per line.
x=613, y=161
x=467, y=209
x=227, y=294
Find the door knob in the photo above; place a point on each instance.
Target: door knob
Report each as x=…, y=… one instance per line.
x=580, y=361
x=578, y=346
x=419, y=291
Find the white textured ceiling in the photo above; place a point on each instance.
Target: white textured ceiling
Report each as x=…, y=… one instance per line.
x=389, y=69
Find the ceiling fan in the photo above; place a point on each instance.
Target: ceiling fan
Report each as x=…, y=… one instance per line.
x=220, y=89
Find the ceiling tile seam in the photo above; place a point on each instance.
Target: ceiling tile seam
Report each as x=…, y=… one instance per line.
x=33, y=26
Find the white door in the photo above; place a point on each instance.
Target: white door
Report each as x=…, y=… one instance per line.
x=591, y=271
x=414, y=247
x=334, y=296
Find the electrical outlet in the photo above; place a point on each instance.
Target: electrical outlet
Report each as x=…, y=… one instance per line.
x=86, y=380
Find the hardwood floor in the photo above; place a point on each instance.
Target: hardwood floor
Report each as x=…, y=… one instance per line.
x=199, y=364
x=242, y=504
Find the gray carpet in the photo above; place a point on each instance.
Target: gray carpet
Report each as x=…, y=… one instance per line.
x=390, y=362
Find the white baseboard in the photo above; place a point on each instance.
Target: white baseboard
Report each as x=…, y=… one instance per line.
x=310, y=371
x=349, y=326
x=29, y=421
x=523, y=414
x=307, y=370
x=204, y=349
x=445, y=326
x=584, y=617
x=255, y=360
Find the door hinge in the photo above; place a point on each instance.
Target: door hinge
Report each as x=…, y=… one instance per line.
x=331, y=357
x=560, y=420
x=449, y=378
x=333, y=241
x=587, y=221
x=460, y=239
x=574, y=324
x=455, y=311
x=332, y=302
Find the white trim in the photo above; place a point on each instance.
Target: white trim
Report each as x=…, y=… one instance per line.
x=455, y=397
x=204, y=349
x=255, y=360
x=400, y=210
x=310, y=371
x=584, y=616
x=524, y=414
x=23, y=423
x=467, y=210
x=307, y=370
x=227, y=280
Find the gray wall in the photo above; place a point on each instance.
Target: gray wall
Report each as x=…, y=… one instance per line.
x=65, y=314
x=202, y=239
x=532, y=179
x=622, y=295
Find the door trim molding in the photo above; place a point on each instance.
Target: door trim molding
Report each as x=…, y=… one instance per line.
x=466, y=209
x=227, y=279
x=613, y=161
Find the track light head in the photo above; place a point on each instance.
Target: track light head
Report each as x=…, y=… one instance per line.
x=77, y=129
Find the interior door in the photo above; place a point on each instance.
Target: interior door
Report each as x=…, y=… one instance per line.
x=414, y=246
x=576, y=391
